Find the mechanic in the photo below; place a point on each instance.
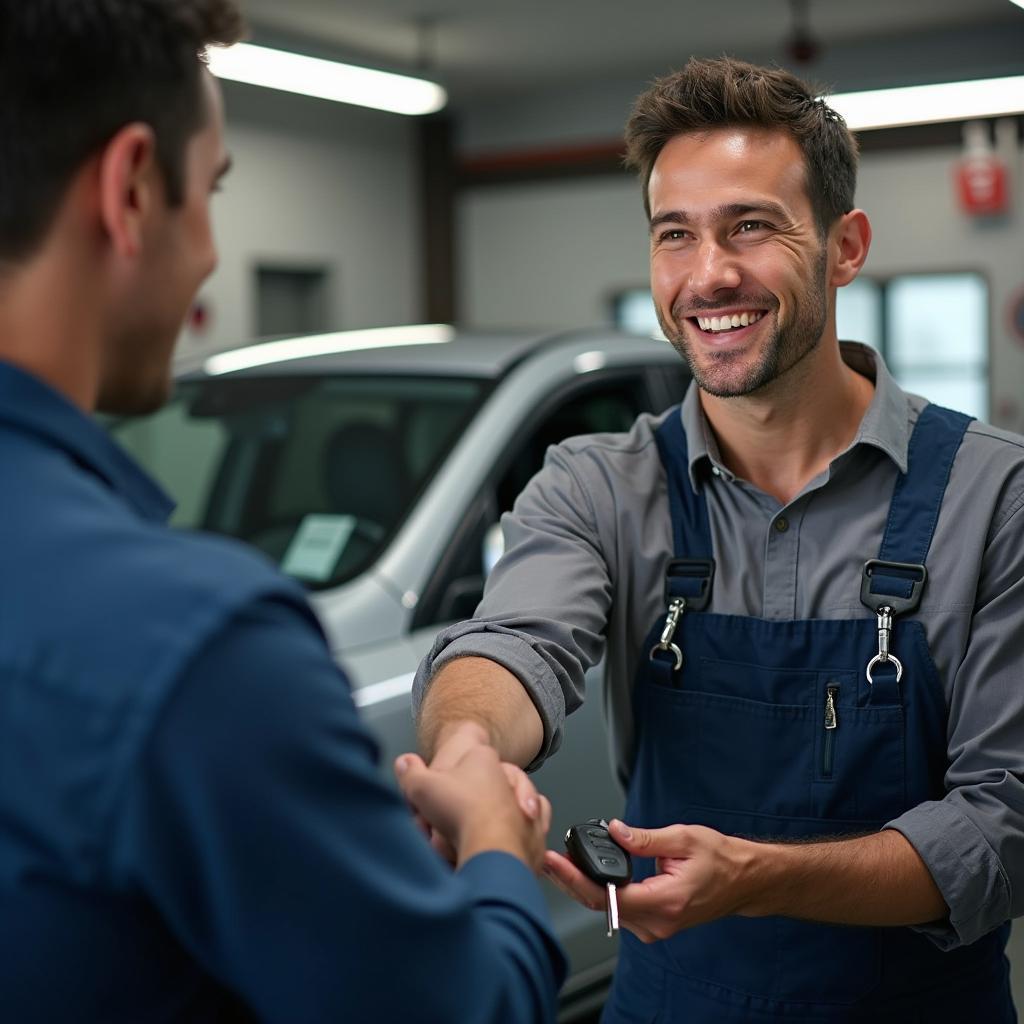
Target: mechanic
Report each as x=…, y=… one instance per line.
x=192, y=822
x=811, y=587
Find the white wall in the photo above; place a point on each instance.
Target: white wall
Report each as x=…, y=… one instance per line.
x=315, y=183
x=547, y=255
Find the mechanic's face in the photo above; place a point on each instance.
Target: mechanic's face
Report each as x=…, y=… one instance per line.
x=180, y=254
x=734, y=242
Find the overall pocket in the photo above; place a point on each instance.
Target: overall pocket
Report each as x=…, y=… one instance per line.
x=798, y=744
x=709, y=747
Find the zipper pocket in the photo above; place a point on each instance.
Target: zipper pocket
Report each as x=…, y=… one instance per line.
x=831, y=724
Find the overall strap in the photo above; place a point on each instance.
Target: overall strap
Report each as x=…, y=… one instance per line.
x=691, y=531
x=897, y=575
x=689, y=576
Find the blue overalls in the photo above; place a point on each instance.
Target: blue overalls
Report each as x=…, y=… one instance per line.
x=781, y=729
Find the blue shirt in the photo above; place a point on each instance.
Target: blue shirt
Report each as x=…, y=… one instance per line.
x=192, y=822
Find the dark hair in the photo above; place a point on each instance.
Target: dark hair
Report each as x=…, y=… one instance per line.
x=74, y=72
x=709, y=94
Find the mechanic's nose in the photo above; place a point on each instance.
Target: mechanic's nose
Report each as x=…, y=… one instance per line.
x=713, y=270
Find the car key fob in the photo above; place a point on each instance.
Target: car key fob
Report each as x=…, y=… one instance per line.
x=602, y=860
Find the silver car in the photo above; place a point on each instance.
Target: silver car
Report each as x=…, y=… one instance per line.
x=374, y=467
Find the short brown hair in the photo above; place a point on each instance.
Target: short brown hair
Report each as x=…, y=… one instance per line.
x=722, y=92
x=74, y=72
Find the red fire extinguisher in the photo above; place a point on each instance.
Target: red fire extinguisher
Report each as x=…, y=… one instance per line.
x=981, y=174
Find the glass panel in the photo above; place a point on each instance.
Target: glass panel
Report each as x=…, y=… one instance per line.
x=634, y=311
x=937, y=320
x=859, y=312
x=186, y=451
x=966, y=392
x=311, y=470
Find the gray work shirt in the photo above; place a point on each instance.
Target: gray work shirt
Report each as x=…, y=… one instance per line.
x=586, y=547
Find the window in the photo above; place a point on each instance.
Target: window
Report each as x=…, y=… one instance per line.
x=931, y=329
x=317, y=472
x=633, y=310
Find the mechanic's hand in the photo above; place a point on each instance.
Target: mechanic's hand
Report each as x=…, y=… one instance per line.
x=477, y=803
x=700, y=877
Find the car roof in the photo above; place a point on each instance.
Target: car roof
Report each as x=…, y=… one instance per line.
x=419, y=349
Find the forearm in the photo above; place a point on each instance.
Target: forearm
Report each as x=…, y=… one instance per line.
x=877, y=879
x=485, y=695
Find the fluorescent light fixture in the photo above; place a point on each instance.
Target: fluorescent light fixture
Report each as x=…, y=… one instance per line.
x=326, y=79
x=327, y=344
x=925, y=104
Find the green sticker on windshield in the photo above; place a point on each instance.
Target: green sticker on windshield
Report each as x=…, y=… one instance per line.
x=316, y=547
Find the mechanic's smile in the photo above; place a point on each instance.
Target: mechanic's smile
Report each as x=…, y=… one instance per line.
x=728, y=321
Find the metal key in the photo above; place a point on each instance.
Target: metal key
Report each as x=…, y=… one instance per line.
x=602, y=860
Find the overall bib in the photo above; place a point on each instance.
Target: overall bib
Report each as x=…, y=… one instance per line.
x=780, y=730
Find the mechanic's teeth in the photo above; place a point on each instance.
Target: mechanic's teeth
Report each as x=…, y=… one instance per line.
x=725, y=323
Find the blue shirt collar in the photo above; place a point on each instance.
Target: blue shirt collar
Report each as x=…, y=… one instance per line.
x=29, y=405
x=885, y=426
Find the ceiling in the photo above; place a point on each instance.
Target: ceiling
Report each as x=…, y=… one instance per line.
x=497, y=48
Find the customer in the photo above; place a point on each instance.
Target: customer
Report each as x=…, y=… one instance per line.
x=192, y=826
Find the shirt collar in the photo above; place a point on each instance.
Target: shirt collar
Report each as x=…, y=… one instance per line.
x=885, y=425
x=32, y=406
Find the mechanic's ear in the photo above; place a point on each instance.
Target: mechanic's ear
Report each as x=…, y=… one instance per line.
x=129, y=179
x=849, y=241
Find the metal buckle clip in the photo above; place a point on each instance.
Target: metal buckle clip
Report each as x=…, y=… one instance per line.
x=690, y=578
x=884, y=656
x=885, y=606
x=915, y=575
x=675, y=612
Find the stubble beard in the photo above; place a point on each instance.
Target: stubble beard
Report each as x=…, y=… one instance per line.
x=725, y=376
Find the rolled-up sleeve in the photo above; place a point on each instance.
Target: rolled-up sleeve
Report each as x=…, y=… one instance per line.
x=972, y=841
x=545, y=608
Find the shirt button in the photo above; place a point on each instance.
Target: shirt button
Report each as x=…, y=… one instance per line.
x=716, y=471
x=781, y=524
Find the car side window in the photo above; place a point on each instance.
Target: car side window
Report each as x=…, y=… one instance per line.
x=611, y=403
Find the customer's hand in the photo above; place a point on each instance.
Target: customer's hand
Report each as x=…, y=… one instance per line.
x=476, y=803
x=459, y=739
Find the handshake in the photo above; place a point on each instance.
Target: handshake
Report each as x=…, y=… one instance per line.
x=468, y=800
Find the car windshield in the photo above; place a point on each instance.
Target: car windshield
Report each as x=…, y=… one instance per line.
x=316, y=472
